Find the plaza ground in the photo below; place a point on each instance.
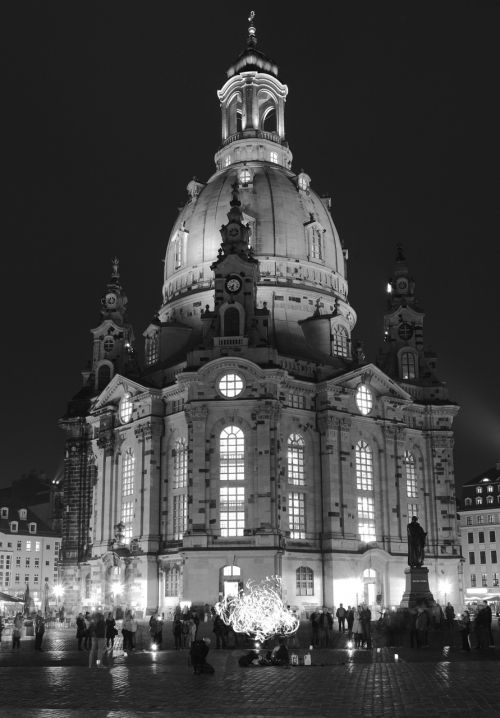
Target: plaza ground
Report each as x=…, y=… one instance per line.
x=436, y=682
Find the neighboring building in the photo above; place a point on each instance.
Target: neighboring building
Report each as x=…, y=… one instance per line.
x=256, y=440
x=479, y=533
x=29, y=555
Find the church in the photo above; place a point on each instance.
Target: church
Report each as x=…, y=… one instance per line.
x=256, y=439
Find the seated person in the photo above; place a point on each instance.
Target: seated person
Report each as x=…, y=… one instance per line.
x=198, y=653
x=279, y=655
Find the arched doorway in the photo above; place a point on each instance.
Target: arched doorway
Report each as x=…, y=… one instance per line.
x=230, y=581
x=369, y=586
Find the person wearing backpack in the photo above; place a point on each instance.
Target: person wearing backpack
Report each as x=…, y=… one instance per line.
x=198, y=654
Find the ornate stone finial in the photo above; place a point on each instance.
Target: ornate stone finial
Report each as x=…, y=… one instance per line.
x=252, y=38
x=235, y=200
x=115, y=262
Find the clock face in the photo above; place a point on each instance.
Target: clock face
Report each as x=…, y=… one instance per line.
x=405, y=330
x=233, y=284
x=110, y=300
x=402, y=285
x=233, y=232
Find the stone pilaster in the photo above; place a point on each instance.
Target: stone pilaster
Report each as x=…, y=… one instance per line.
x=147, y=515
x=198, y=471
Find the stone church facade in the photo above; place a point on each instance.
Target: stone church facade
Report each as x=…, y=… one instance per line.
x=256, y=440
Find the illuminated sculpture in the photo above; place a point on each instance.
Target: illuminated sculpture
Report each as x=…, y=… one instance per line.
x=259, y=612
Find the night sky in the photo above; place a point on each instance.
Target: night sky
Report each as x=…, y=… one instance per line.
x=110, y=109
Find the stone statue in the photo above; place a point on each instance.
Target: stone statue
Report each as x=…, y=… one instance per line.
x=416, y=543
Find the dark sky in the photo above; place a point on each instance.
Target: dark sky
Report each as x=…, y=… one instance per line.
x=110, y=108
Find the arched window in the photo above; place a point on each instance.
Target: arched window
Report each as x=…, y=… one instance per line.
x=408, y=365
x=152, y=349
x=127, y=510
x=172, y=576
x=269, y=120
x=180, y=464
x=468, y=502
x=316, y=243
x=108, y=344
x=489, y=499
x=179, y=516
x=296, y=459
x=479, y=500
x=411, y=477
x=304, y=581
x=128, y=469
x=232, y=472
x=364, y=467
x=364, y=484
x=103, y=376
x=340, y=341
x=231, y=319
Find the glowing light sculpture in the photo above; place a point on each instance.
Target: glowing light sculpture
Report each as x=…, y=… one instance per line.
x=258, y=612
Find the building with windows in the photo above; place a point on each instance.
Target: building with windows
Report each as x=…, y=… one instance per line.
x=256, y=440
x=479, y=532
x=29, y=556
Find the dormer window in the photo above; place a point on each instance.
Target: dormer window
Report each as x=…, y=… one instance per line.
x=340, y=341
x=227, y=161
x=479, y=501
x=245, y=177
x=32, y=528
x=303, y=181
x=479, y=489
x=468, y=502
x=273, y=157
x=4, y=512
x=23, y=514
x=13, y=527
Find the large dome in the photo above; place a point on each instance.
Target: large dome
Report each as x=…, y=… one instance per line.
x=292, y=234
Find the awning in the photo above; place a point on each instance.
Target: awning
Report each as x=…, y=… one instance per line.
x=10, y=599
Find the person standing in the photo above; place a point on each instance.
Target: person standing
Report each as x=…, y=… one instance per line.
x=464, y=628
x=219, y=628
x=488, y=620
x=39, y=630
x=177, y=631
x=86, y=635
x=16, y=631
x=357, y=629
x=97, y=631
x=366, y=618
x=325, y=627
x=350, y=620
x=80, y=630
x=314, y=618
x=341, y=615
x=110, y=630
x=449, y=614
x=422, y=626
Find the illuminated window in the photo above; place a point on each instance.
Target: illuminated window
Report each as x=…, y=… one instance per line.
x=304, y=581
x=232, y=454
x=37, y=545
x=469, y=520
x=232, y=510
x=296, y=459
x=479, y=489
x=412, y=510
x=152, y=349
x=231, y=571
x=489, y=489
x=479, y=500
x=317, y=243
x=489, y=499
x=484, y=580
x=366, y=508
x=364, y=467
x=468, y=502
x=245, y=176
x=297, y=515
x=411, y=479
x=340, y=341
x=227, y=161
x=473, y=580
x=408, y=365
x=180, y=464
x=479, y=519
x=108, y=344
x=230, y=385
x=179, y=516
x=273, y=157
x=128, y=470
x=495, y=579
x=364, y=399
x=127, y=519
x=303, y=181
x=366, y=532
x=125, y=410
x=28, y=545
x=172, y=580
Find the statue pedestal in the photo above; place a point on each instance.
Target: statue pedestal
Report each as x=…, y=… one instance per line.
x=417, y=588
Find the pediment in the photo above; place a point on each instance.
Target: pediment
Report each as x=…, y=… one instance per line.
x=370, y=374
x=114, y=391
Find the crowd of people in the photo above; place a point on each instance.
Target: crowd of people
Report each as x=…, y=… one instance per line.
x=355, y=621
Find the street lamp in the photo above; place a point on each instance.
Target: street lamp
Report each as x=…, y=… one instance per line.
x=444, y=587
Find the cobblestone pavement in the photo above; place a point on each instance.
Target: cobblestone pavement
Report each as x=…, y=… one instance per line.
x=439, y=682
